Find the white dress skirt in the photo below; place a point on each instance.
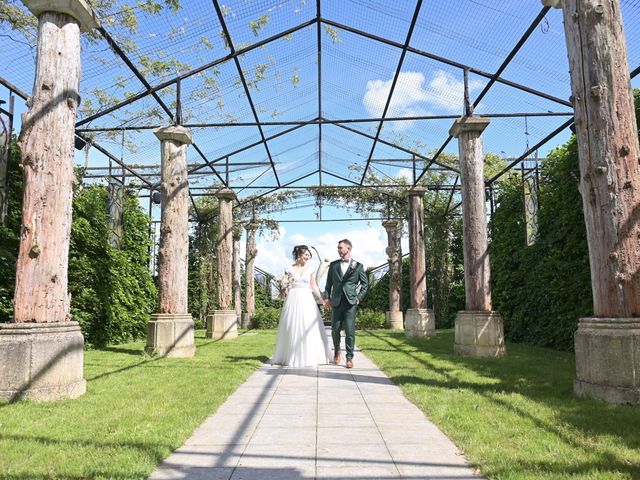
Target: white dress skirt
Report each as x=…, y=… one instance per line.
x=302, y=340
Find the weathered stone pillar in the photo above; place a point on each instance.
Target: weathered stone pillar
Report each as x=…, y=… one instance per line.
x=608, y=344
x=41, y=352
x=419, y=322
x=170, y=331
x=223, y=323
x=394, y=315
x=249, y=275
x=237, y=284
x=479, y=330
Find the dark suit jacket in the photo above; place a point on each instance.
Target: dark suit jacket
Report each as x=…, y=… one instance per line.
x=353, y=284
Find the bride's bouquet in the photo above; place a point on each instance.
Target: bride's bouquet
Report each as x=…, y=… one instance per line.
x=284, y=284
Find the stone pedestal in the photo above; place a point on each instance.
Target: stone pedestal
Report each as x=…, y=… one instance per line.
x=479, y=334
x=247, y=320
x=222, y=324
x=41, y=361
x=608, y=359
x=170, y=335
x=394, y=320
x=419, y=322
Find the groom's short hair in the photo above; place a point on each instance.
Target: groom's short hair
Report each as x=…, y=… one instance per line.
x=346, y=242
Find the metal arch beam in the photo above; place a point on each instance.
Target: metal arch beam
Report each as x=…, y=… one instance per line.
x=275, y=189
x=319, y=59
x=116, y=48
x=447, y=61
x=116, y=159
x=193, y=72
x=326, y=121
x=202, y=155
x=208, y=163
x=402, y=149
x=496, y=75
x=416, y=12
x=528, y=152
x=246, y=87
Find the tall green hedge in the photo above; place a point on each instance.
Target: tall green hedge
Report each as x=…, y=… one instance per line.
x=10, y=235
x=542, y=290
x=112, y=290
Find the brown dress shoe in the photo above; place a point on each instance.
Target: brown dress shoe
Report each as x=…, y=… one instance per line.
x=336, y=359
x=349, y=364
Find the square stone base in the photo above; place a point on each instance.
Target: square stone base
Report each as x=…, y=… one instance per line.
x=479, y=334
x=608, y=359
x=394, y=320
x=222, y=324
x=419, y=322
x=170, y=335
x=41, y=361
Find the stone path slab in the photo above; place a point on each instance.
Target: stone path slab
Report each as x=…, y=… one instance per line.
x=325, y=422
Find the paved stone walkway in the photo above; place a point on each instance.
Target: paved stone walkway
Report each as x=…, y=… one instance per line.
x=324, y=422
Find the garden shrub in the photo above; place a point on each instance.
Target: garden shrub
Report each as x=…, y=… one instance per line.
x=266, y=317
x=370, y=319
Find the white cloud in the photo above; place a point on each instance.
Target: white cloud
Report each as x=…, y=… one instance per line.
x=408, y=93
x=414, y=96
x=405, y=173
x=448, y=92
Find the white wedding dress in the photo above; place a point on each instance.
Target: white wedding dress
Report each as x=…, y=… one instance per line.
x=302, y=340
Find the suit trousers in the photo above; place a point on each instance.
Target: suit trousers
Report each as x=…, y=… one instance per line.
x=343, y=317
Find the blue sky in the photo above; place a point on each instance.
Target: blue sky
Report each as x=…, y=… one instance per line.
x=357, y=73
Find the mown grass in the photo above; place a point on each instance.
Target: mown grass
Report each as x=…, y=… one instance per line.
x=515, y=417
x=136, y=411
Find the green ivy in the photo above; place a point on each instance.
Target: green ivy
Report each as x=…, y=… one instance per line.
x=542, y=290
x=370, y=319
x=10, y=235
x=266, y=317
x=112, y=290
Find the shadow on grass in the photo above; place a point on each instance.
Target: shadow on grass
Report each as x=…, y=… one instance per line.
x=156, y=451
x=543, y=376
x=136, y=352
x=239, y=358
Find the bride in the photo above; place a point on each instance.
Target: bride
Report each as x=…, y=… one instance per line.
x=302, y=340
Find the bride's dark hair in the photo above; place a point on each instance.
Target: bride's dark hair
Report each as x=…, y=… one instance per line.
x=298, y=250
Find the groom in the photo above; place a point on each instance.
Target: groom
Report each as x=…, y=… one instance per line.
x=346, y=286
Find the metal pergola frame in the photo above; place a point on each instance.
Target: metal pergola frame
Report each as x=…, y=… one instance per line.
x=220, y=166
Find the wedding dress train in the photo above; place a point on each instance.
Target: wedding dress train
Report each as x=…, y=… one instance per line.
x=302, y=340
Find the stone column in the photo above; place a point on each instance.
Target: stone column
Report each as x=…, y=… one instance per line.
x=478, y=329
x=249, y=272
x=223, y=323
x=607, y=345
x=419, y=322
x=41, y=351
x=394, y=315
x=170, y=331
x=237, y=284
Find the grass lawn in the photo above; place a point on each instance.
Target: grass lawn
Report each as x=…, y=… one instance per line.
x=136, y=411
x=515, y=417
